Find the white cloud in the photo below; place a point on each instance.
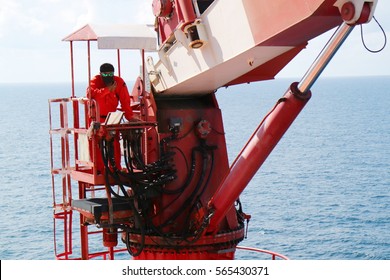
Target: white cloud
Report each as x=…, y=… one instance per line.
x=31, y=34
x=109, y=12
x=7, y=10
x=144, y=13
x=18, y=18
x=89, y=14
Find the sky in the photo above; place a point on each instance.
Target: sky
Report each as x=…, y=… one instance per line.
x=32, y=50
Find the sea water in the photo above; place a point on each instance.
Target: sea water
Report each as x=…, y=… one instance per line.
x=323, y=193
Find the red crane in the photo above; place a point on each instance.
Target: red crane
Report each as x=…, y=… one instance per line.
x=176, y=196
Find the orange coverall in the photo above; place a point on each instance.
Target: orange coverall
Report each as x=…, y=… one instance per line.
x=108, y=102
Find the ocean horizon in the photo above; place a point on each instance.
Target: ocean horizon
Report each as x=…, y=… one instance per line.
x=323, y=193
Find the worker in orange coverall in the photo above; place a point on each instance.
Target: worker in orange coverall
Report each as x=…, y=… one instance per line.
x=108, y=90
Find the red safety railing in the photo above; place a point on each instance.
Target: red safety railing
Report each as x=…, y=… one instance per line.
x=274, y=255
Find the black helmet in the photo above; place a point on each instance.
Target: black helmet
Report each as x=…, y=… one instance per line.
x=106, y=67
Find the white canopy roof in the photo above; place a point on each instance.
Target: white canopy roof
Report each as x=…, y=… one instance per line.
x=117, y=36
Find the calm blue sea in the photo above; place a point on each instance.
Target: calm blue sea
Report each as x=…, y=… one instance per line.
x=324, y=193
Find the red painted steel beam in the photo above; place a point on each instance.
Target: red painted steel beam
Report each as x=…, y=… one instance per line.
x=253, y=155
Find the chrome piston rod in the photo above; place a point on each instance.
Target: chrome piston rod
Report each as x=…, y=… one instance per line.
x=324, y=57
